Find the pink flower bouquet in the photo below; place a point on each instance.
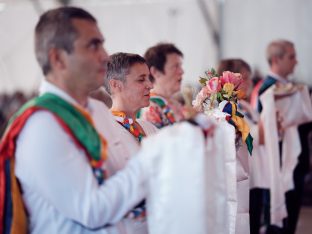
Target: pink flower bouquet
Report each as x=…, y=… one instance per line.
x=219, y=96
x=218, y=88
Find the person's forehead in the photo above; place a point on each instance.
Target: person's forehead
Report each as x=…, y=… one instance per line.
x=141, y=68
x=290, y=49
x=87, y=28
x=173, y=57
x=245, y=70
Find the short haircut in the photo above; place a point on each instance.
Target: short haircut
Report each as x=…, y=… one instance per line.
x=278, y=49
x=119, y=66
x=156, y=56
x=56, y=30
x=234, y=65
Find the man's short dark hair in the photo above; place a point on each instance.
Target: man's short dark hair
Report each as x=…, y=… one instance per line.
x=55, y=30
x=119, y=67
x=277, y=48
x=234, y=65
x=156, y=56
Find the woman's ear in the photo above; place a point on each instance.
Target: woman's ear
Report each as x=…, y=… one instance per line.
x=115, y=85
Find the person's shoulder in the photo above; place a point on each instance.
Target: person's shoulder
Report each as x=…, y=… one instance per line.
x=98, y=104
x=175, y=102
x=41, y=124
x=268, y=82
x=102, y=116
x=157, y=102
x=152, y=109
x=101, y=95
x=42, y=116
x=147, y=126
x=98, y=108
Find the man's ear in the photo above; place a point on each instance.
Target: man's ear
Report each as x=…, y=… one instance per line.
x=57, y=58
x=155, y=72
x=115, y=85
x=275, y=59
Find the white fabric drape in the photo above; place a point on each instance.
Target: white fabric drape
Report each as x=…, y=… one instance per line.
x=268, y=116
x=192, y=188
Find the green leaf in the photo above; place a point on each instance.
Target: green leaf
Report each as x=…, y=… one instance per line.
x=220, y=98
x=214, y=72
x=202, y=80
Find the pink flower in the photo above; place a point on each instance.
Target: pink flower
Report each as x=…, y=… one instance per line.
x=213, y=85
x=200, y=98
x=202, y=95
x=231, y=77
x=204, y=92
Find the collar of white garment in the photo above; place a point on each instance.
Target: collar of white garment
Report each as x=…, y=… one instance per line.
x=47, y=87
x=278, y=78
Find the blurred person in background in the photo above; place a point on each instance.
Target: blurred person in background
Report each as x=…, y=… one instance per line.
x=165, y=63
x=250, y=170
x=283, y=106
x=128, y=83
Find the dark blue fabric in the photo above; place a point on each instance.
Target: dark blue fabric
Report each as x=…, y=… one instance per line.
x=267, y=83
x=239, y=114
x=228, y=108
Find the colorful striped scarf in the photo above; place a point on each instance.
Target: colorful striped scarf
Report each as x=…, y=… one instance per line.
x=75, y=121
x=237, y=120
x=128, y=124
x=166, y=109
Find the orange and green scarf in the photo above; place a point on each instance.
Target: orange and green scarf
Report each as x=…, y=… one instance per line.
x=75, y=121
x=166, y=109
x=128, y=124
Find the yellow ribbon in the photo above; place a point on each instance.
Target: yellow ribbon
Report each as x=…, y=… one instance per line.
x=240, y=123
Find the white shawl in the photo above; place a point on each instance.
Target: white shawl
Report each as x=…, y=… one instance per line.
x=192, y=185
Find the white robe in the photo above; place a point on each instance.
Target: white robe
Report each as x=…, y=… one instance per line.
x=258, y=169
x=122, y=147
x=294, y=109
x=242, y=183
x=60, y=191
x=192, y=188
x=268, y=115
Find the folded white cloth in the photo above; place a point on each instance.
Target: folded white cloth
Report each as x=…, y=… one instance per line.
x=192, y=185
x=296, y=108
x=268, y=115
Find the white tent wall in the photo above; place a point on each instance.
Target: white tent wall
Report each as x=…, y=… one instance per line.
x=18, y=67
x=249, y=25
x=134, y=25
x=128, y=26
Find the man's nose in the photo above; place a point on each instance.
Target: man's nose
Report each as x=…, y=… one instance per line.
x=104, y=57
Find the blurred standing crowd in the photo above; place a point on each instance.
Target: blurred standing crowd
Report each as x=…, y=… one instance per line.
x=143, y=87
x=9, y=104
